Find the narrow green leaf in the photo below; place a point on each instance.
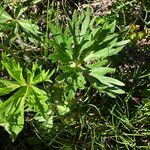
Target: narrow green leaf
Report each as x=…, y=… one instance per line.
x=118, y=91
x=112, y=26
x=103, y=53
x=98, y=63
x=61, y=52
x=101, y=71
x=60, y=58
x=29, y=27
x=87, y=45
x=22, y=10
x=74, y=17
x=122, y=43
x=36, y=1
x=112, y=95
x=107, y=80
x=4, y=16
x=57, y=33
x=85, y=24
x=110, y=37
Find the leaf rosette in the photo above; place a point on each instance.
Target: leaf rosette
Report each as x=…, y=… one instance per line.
x=81, y=51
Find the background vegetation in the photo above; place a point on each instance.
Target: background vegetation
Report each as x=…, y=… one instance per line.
x=74, y=75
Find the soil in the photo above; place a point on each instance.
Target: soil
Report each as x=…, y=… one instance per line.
x=100, y=7
x=6, y=143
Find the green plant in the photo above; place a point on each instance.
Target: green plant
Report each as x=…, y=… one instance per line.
x=81, y=51
x=76, y=110
x=24, y=95
x=16, y=23
x=17, y=29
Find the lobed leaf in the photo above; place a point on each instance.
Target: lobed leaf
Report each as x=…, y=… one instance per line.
x=7, y=86
x=12, y=113
x=13, y=68
x=27, y=96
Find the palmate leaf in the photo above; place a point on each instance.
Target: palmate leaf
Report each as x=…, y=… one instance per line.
x=12, y=113
x=64, y=40
x=42, y=76
x=26, y=96
x=17, y=23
